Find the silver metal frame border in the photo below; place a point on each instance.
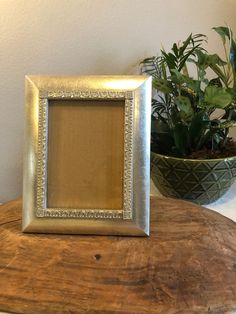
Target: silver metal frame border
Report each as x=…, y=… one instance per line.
x=133, y=219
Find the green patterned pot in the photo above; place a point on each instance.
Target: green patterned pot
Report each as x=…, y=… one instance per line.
x=198, y=181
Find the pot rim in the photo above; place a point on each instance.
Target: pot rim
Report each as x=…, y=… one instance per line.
x=195, y=160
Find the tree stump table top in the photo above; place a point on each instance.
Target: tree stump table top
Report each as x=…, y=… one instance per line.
x=187, y=265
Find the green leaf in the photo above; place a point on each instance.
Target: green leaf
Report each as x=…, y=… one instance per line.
x=170, y=59
x=185, y=45
x=215, y=82
x=185, y=108
x=232, y=52
x=185, y=58
x=205, y=59
x=230, y=114
x=216, y=97
x=162, y=85
x=223, y=32
x=226, y=32
x=216, y=140
x=198, y=126
x=185, y=70
x=199, y=38
x=186, y=83
x=204, y=139
x=151, y=66
x=181, y=138
x=201, y=59
x=158, y=126
x=232, y=91
x=218, y=72
x=162, y=138
x=176, y=75
x=215, y=59
x=225, y=125
x=175, y=50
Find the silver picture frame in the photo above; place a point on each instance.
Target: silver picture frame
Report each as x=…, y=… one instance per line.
x=132, y=217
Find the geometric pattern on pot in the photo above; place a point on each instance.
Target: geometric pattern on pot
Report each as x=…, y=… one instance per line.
x=199, y=181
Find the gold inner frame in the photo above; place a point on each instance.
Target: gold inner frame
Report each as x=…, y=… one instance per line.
x=102, y=213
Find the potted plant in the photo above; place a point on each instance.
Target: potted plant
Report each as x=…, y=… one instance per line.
x=192, y=154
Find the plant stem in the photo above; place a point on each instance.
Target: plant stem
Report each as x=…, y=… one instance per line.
x=227, y=129
x=228, y=74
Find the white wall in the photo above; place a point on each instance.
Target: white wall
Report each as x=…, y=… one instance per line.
x=85, y=37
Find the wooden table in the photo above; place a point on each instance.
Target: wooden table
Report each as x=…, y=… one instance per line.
x=188, y=265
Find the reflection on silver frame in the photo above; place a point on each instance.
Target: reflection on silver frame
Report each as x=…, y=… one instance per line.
x=133, y=218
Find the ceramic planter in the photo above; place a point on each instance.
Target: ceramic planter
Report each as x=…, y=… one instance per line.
x=199, y=181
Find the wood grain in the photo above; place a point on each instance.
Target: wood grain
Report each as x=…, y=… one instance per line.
x=188, y=265
x=85, y=154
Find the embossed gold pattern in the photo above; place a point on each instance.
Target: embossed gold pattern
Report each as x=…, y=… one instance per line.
x=42, y=210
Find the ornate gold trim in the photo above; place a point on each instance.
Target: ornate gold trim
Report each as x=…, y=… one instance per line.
x=80, y=213
x=42, y=154
x=42, y=210
x=82, y=94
